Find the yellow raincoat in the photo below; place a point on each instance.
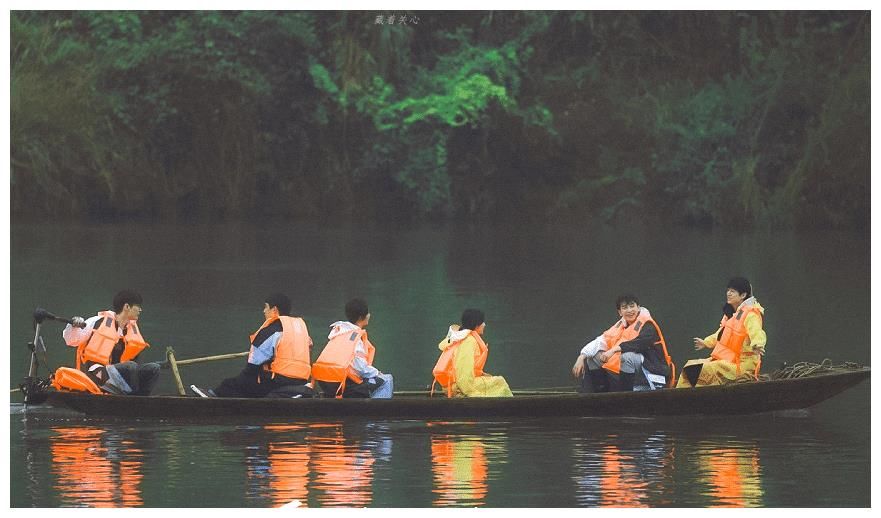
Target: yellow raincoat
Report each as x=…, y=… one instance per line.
x=467, y=384
x=720, y=372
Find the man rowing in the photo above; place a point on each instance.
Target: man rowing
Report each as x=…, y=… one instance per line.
x=108, y=346
x=279, y=358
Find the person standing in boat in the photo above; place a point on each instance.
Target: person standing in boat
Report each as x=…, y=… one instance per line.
x=279, y=358
x=630, y=354
x=459, y=370
x=738, y=345
x=345, y=366
x=109, y=344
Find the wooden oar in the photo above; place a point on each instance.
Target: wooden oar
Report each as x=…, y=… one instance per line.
x=204, y=359
x=174, y=363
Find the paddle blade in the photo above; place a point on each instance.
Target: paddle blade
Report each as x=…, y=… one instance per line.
x=41, y=314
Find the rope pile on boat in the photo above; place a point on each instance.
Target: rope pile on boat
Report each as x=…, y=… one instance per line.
x=802, y=369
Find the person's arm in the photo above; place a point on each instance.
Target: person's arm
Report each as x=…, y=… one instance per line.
x=360, y=365
x=264, y=348
x=588, y=351
x=757, y=336
x=648, y=336
x=706, y=343
x=73, y=336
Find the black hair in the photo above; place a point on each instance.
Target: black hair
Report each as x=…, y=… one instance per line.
x=627, y=298
x=356, y=309
x=742, y=285
x=471, y=319
x=280, y=301
x=728, y=311
x=130, y=297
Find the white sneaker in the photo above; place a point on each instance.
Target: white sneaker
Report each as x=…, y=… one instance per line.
x=198, y=391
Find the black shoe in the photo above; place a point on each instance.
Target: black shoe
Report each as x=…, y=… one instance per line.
x=598, y=380
x=625, y=381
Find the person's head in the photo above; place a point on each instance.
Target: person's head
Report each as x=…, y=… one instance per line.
x=628, y=307
x=127, y=305
x=276, y=305
x=738, y=290
x=473, y=320
x=357, y=312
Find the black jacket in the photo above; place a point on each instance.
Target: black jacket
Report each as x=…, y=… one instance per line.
x=647, y=343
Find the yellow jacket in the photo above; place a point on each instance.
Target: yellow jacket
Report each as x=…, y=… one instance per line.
x=468, y=385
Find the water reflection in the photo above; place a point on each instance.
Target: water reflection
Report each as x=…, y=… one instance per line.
x=95, y=467
x=733, y=474
x=343, y=468
x=322, y=464
x=609, y=474
x=281, y=472
x=460, y=463
x=763, y=461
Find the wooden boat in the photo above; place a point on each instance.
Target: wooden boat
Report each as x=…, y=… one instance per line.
x=737, y=398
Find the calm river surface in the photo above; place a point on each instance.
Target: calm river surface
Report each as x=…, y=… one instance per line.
x=546, y=290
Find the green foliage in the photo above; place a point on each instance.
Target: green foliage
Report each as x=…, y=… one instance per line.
x=697, y=117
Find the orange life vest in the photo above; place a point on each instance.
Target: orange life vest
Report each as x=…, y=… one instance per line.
x=729, y=346
x=99, y=346
x=292, y=350
x=334, y=364
x=445, y=369
x=619, y=333
x=74, y=380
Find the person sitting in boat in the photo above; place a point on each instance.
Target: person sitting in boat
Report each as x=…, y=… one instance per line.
x=737, y=346
x=345, y=366
x=459, y=370
x=632, y=354
x=278, y=360
x=109, y=344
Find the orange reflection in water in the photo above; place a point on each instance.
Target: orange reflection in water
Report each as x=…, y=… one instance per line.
x=734, y=477
x=460, y=470
x=620, y=485
x=343, y=471
x=88, y=475
x=607, y=475
x=317, y=459
x=288, y=468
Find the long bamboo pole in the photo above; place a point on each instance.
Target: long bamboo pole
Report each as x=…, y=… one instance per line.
x=169, y=353
x=229, y=356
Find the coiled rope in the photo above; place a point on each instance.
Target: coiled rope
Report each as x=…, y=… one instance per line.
x=802, y=369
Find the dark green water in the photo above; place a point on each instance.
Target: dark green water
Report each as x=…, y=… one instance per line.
x=545, y=290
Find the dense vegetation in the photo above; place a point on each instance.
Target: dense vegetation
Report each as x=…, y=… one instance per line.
x=696, y=117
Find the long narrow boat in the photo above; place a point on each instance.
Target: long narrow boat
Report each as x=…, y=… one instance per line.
x=737, y=398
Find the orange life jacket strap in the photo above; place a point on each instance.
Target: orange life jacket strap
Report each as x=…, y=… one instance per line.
x=663, y=342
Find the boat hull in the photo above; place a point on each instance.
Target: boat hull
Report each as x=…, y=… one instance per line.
x=740, y=398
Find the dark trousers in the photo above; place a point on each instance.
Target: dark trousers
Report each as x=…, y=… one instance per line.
x=352, y=390
x=141, y=377
x=251, y=383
